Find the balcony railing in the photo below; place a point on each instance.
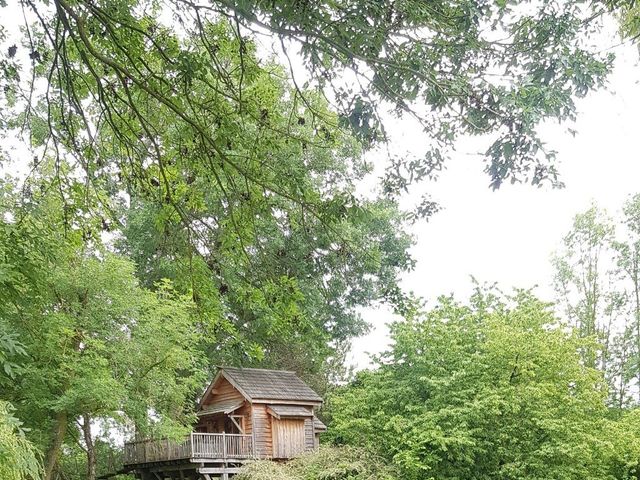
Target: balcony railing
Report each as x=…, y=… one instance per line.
x=214, y=446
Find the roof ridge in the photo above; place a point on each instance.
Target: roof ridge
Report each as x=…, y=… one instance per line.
x=257, y=369
x=264, y=383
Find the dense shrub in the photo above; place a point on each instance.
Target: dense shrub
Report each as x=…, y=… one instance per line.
x=326, y=464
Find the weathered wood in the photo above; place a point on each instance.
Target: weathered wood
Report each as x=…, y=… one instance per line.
x=199, y=445
x=309, y=441
x=288, y=437
x=262, y=428
x=224, y=392
x=272, y=410
x=218, y=470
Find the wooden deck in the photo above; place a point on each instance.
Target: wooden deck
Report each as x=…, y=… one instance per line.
x=221, y=447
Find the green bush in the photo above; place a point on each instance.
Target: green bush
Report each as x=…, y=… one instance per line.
x=328, y=463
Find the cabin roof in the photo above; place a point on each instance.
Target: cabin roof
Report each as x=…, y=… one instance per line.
x=257, y=384
x=260, y=384
x=289, y=411
x=222, y=407
x=318, y=425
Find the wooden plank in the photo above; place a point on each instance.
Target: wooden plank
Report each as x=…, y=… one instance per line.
x=225, y=392
x=263, y=435
x=218, y=470
x=308, y=434
x=288, y=437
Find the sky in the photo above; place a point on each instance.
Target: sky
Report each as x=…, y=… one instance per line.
x=508, y=236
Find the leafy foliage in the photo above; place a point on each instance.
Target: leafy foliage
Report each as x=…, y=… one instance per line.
x=598, y=286
x=333, y=463
x=99, y=346
x=583, y=279
x=461, y=67
x=222, y=177
x=190, y=200
x=492, y=389
x=19, y=460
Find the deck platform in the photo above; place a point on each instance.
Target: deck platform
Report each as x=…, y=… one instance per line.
x=201, y=456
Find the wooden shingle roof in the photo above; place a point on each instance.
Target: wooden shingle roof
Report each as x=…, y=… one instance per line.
x=289, y=411
x=318, y=426
x=227, y=407
x=260, y=384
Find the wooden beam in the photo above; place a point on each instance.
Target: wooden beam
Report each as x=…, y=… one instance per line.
x=173, y=468
x=235, y=422
x=218, y=470
x=267, y=401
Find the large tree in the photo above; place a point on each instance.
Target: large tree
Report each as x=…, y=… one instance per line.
x=585, y=277
x=458, y=67
x=598, y=287
x=490, y=389
x=238, y=186
x=239, y=179
x=99, y=347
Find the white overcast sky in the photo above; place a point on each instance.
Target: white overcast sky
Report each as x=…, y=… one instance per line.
x=508, y=236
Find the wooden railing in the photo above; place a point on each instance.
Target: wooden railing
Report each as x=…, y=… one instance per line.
x=222, y=446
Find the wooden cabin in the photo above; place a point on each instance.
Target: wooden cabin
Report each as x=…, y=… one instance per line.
x=244, y=414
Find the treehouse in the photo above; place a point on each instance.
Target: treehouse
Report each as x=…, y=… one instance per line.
x=244, y=414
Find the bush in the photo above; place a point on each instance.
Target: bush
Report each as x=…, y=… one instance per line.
x=328, y=463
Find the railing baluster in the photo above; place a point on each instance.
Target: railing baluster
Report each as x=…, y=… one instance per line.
x=196, y=445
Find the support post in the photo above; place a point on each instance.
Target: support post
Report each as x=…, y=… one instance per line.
x=224, y=445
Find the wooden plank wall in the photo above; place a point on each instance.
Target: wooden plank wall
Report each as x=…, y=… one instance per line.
x=246, y=412
x=288, y=437
x=224, y=393
x=262, y=426
x=309, y=440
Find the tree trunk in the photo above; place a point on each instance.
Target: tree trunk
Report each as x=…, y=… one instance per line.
x=59, y=430
x=91, y=451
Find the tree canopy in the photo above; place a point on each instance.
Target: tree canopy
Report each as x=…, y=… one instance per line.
x=494, y=388
x=115, y=69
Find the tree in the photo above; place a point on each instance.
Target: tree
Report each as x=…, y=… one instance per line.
x=585, y=279
x=628, y=258
x=294, y=300
x=100, y=347
x=250, y=206
x=406, y=54
x=491, y=389
x=249, y=172
x=19, y=459
x=598, y=286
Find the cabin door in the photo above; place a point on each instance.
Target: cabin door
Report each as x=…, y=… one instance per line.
x=288, y=437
